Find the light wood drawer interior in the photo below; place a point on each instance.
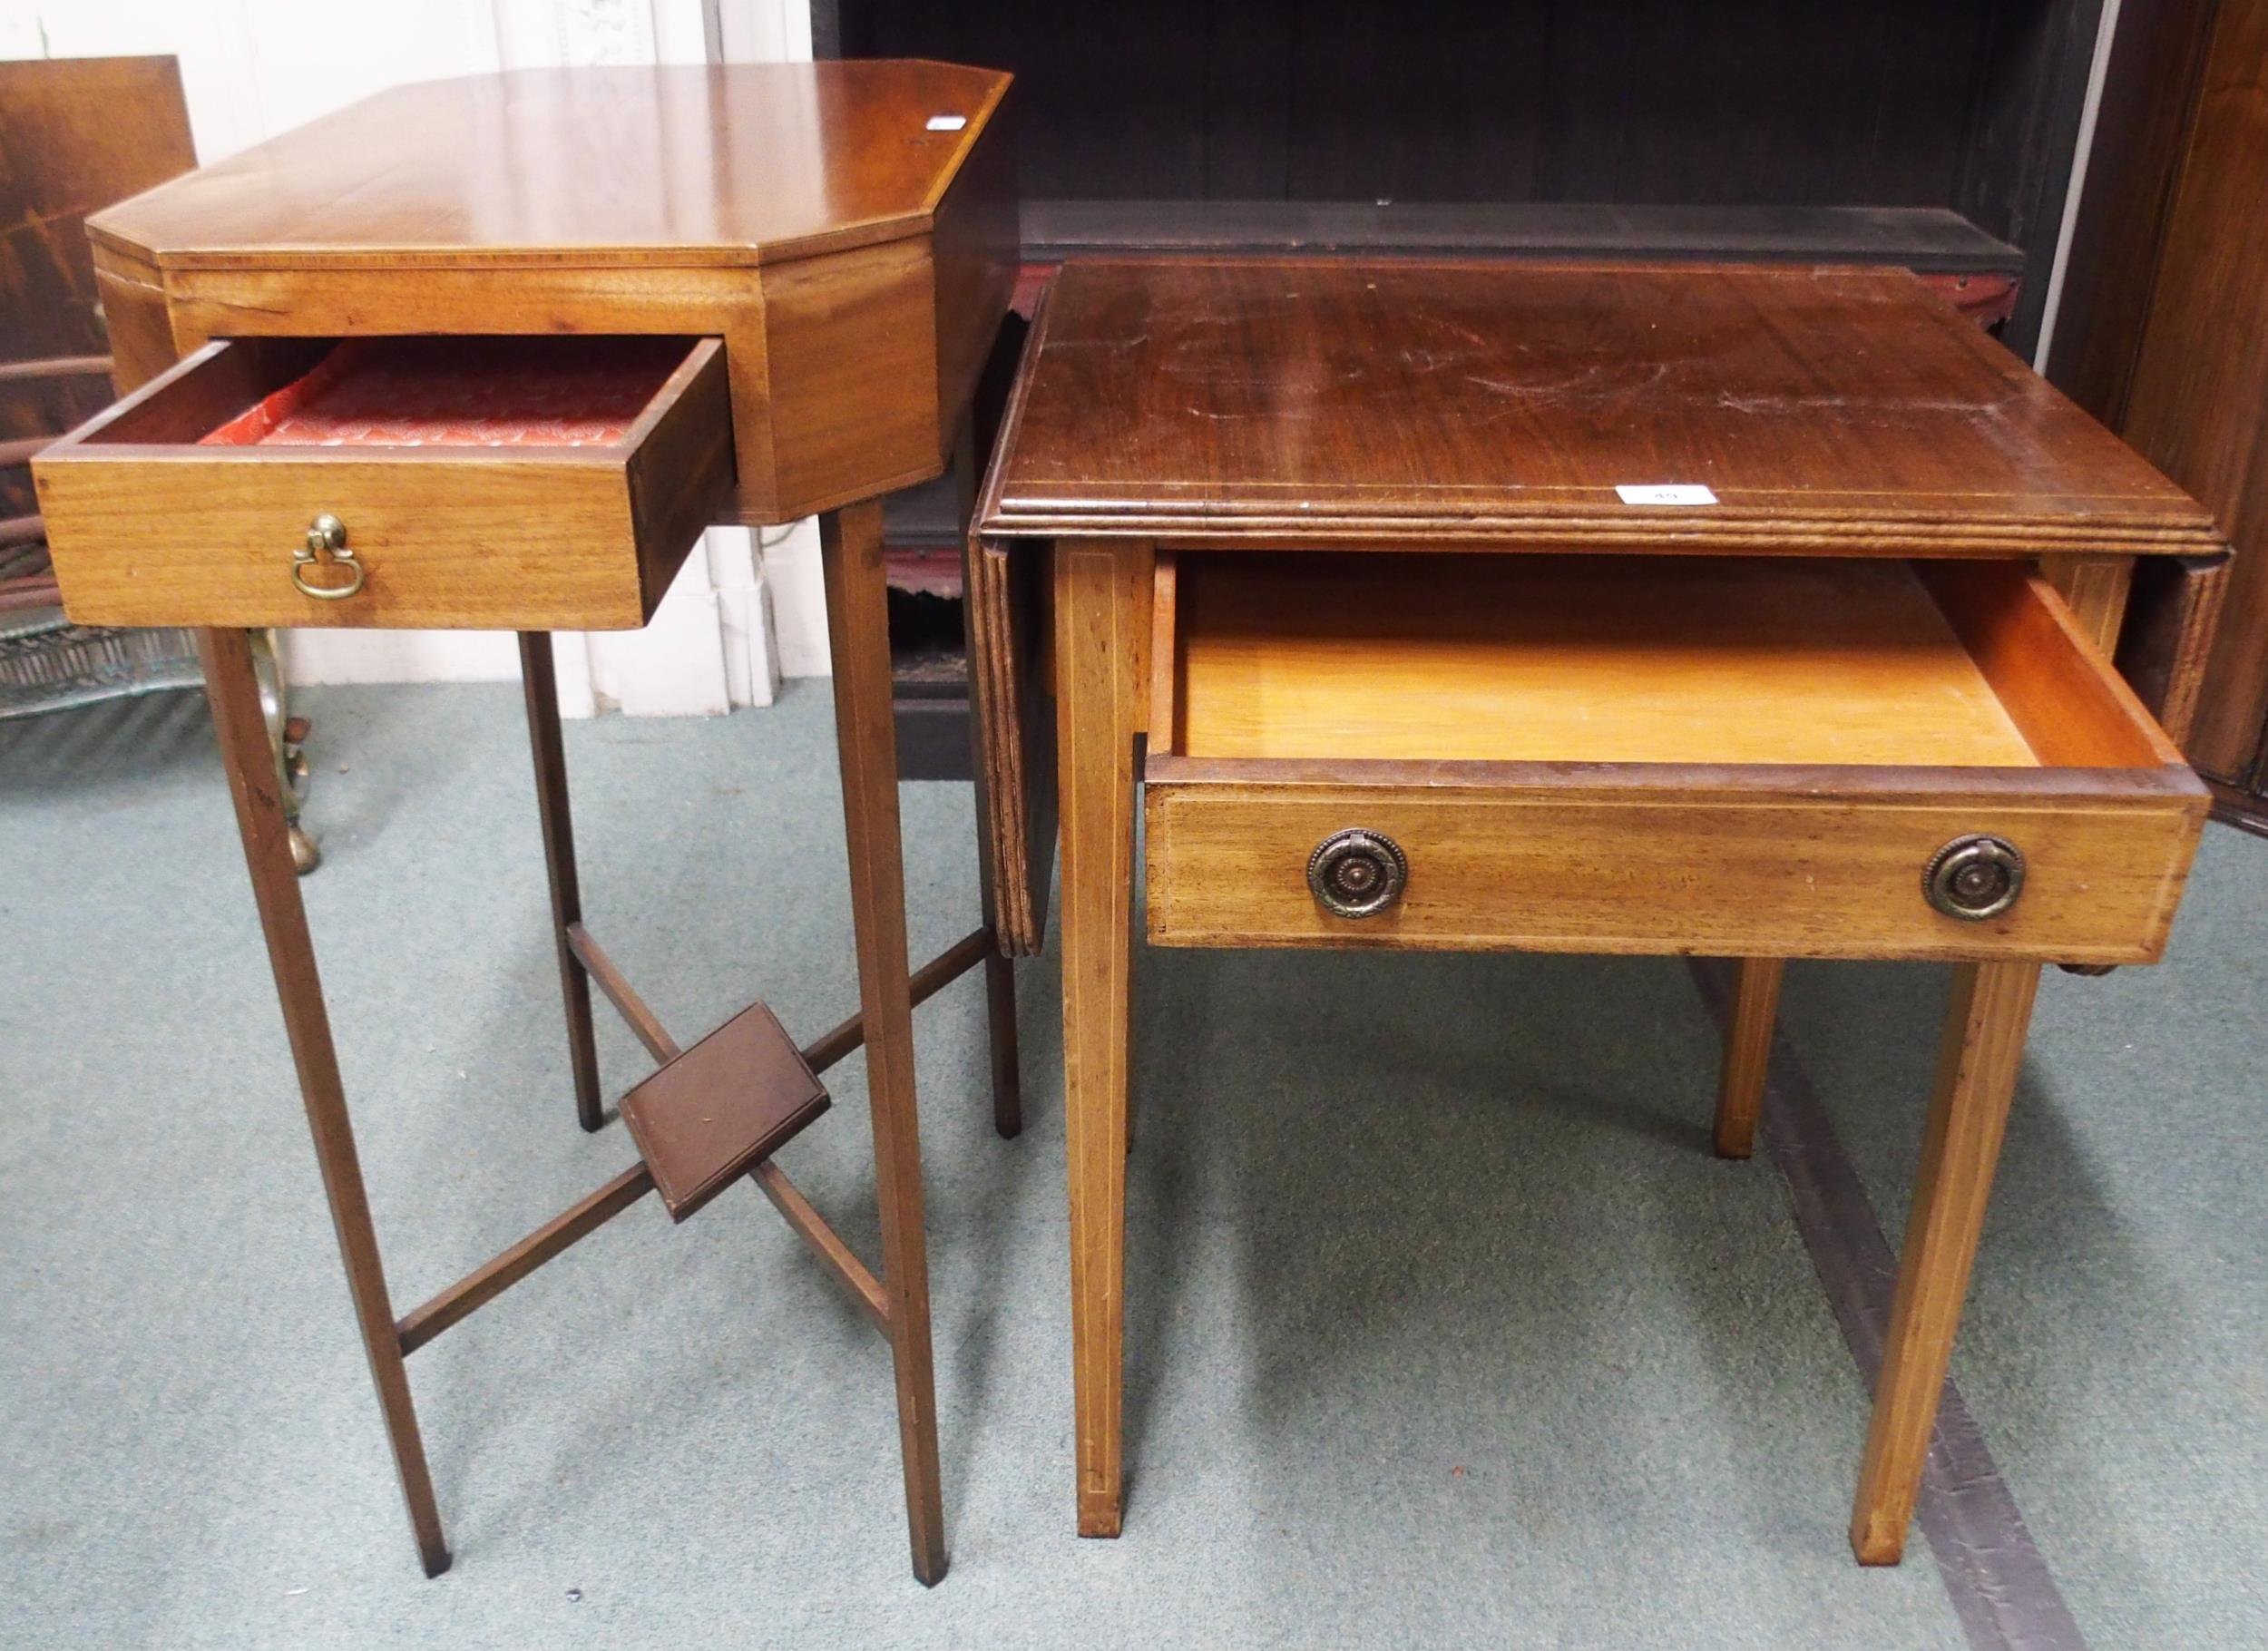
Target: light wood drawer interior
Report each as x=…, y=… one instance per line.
x=535, y=484
x=1650, y=753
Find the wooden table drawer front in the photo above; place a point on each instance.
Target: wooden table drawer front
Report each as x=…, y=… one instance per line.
x=1594, y=866
x=550, y=483
x=1568, y=764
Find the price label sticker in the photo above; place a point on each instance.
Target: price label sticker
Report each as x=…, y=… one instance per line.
x=1665, y=492
x=947, y=122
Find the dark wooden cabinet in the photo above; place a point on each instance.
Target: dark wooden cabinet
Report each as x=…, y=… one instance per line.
x=1932, y=134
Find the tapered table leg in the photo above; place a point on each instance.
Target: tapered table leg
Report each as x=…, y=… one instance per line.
x=866, y=738
x=1097, y=613
x=540, y=681
x=1748, y=1053
x=1983, y=1047
x=253, y=783
x=1000, y=1019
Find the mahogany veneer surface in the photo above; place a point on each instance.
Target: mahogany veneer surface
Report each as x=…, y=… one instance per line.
x=745, y=164
x=1257, y=400
x=846, y=230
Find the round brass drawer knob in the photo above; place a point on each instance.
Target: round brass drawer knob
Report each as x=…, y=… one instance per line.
x=1974, y=877
x=1356, y=872
x=325, y=540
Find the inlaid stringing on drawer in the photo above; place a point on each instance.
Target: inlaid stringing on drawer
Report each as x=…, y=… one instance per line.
x=2057, y=821
x=544, y=483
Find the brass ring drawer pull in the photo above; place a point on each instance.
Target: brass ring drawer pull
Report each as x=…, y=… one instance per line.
x=326, y=538
x=1974, y=877
x=1356, y=872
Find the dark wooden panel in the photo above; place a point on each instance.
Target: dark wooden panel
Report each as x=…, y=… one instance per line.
x=1759, y=101
x=1120, y=87
x=75, y=135
x=1792, y=104
x=1768, y=103
x=1248, y=77
x=2199, y=404
x=1384, y=110
x=2021, y=137
x=2149, y=95
x=2172, y=612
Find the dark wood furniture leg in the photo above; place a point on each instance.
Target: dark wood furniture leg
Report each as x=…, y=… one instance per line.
x=1099, y=611
x=234, y=691
x=866, y=738
x=1000, y=988
x=1000, y=1011
x=1983, y=1047
x=540, y=679
x=1748, y=1053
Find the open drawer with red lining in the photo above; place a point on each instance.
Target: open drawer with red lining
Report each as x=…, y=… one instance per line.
x=526, y=483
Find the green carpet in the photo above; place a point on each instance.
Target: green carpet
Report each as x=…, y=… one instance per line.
x=1444, y=1327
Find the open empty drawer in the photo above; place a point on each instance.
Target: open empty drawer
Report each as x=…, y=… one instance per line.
x=1746, y=757
x=533, y=484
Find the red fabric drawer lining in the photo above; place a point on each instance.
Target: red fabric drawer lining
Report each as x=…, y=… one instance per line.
x=462, y=393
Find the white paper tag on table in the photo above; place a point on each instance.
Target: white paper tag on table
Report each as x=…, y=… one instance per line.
x=1665, y=492
x=947, y=122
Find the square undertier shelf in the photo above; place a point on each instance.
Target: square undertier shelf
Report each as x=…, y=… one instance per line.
x=722, y=1108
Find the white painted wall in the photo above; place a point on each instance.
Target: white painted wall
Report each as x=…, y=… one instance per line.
x=739, y=615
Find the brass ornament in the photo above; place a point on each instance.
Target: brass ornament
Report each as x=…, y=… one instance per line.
x=1356, y=872
x=1974, y=877
x=325, y=540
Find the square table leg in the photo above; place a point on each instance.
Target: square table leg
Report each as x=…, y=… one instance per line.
x=1000, y=1016
x=1978, y=1061
x=1747, y=1054
x=1099, y=613
x=539, y=679
x=858, y=634
x=233, y=689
